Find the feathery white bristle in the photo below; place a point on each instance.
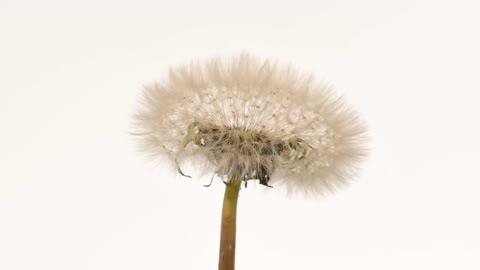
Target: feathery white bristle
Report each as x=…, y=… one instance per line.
x=246, y=117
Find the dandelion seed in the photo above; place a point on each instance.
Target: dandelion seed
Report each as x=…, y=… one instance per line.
x=245, y=116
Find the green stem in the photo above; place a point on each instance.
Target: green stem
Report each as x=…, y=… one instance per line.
x=229, y=224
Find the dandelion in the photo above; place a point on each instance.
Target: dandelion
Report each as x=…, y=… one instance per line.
x=249, y=120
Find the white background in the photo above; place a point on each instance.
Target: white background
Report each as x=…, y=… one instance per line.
x=74, y=194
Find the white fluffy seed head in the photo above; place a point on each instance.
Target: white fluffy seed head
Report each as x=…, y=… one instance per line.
x=252, y=119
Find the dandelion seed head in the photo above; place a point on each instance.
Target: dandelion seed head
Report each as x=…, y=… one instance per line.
x=252, y=119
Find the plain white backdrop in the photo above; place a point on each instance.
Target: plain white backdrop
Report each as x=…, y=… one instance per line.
x=74, y=194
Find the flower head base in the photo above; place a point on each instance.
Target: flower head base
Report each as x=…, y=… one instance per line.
x=242, y=152
x=253, y=120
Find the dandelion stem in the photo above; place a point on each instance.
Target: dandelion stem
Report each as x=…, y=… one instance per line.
x=229, y=222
